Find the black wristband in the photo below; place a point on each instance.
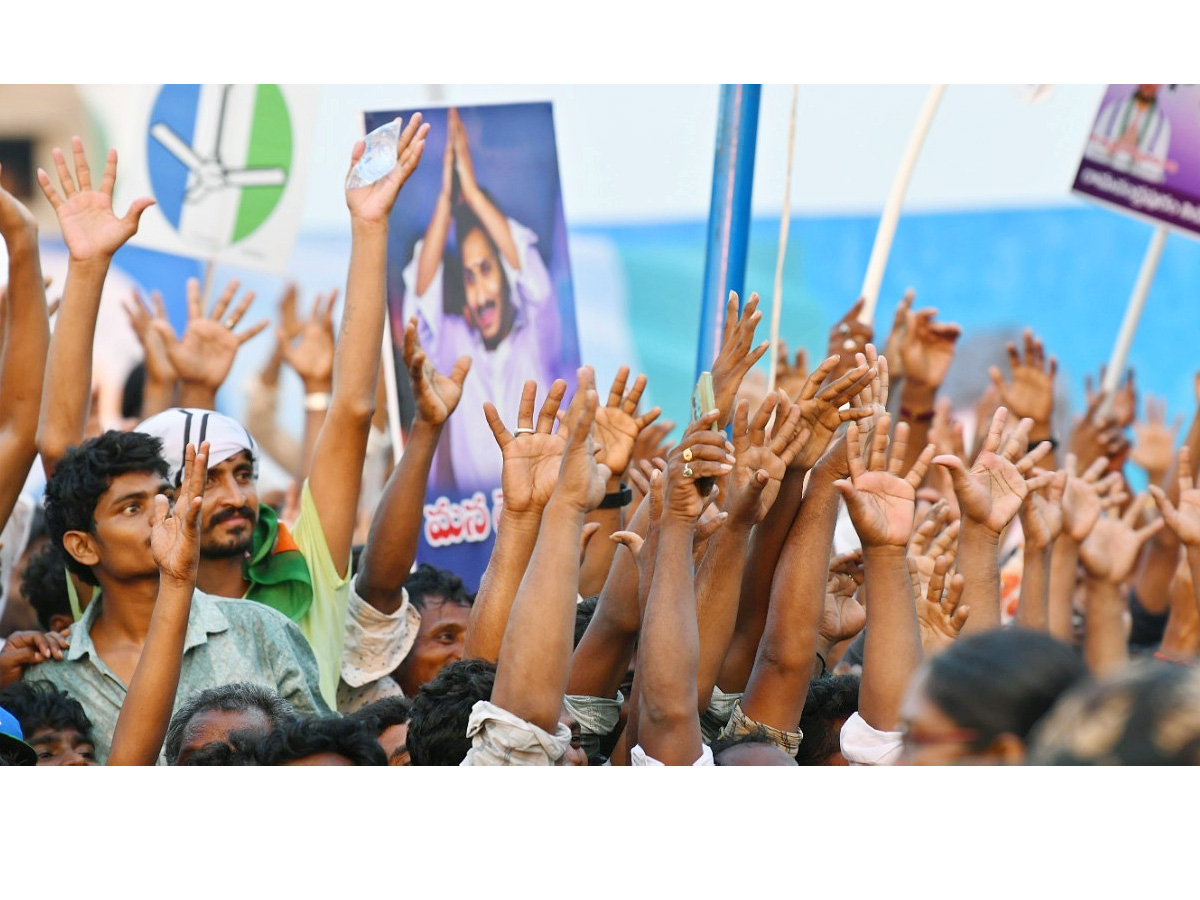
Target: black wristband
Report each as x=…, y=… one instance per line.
x=617, y=499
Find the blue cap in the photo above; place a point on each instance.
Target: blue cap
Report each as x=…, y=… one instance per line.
x=11, y=740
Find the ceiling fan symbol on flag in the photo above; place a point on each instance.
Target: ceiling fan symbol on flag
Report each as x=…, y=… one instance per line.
x=220, y=157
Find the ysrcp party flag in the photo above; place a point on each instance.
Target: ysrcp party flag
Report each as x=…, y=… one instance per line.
x=226, y=163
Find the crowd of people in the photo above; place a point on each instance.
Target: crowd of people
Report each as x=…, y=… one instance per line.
x=824, y=573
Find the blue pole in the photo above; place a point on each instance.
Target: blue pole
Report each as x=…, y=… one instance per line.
x=729, y=213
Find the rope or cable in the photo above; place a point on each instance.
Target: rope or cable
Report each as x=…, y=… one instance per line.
x=785, y=219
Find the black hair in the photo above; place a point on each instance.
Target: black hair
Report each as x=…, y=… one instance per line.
x=238, y=749
x=40, y=704
x=430, y=580
x=830, y=699
x=437, y=729
x=1002, y=681
x=299, y=738
x=584, y=611
x=720, y=745
x=44, y=584
x=85, y=473
x=133, y=393
x=381, y=715
x=236, y=697
x=1145, y=715
x=454, y=291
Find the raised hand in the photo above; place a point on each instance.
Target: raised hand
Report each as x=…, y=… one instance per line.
x=821, y=410
x=1124, y=408
x=448, y=156
x=581, y=477
x=790, y=376
x=1184, y=518
x=533, y=457
x=736, y=356
x=874, y=396
x=308, y=347
x=1031, y=393
x=90, y=227
x=15, y=220
x=1111, y=550
x=940, y=618
x=1042, y=513
x=899, y=333
x=437, y=395
x=158, y=362
x=881, y=503
x=1087, y=495
x=1093, y=436
x=936, y=537
x=843, y=616
x=205, y=353
x=753, y=486
x=991, y=492
x=847, y=337
x=462, y=153
x=927, y=349
x=702, y=453
x=373, y=203
x=617, y=425
x=1154, y=442
x=175, y=529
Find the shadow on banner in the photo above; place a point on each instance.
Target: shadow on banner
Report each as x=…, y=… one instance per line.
x=477, y=252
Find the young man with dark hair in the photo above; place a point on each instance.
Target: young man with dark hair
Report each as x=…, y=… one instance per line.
x=104, y=509
x=303, y=572
x=320, y=742
x=437, y=729
x=831, y=701
x=213, y=715
x=388, y=719
x=54, y=724
x=444, y=604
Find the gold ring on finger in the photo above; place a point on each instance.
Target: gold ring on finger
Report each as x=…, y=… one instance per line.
x=687, y=454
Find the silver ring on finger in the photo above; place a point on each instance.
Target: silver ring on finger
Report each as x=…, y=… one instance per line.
x=521, y=431
x=687, y=471
x=229, y=323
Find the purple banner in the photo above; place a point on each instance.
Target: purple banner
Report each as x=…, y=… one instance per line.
x=477, y=252
x=1142, y=156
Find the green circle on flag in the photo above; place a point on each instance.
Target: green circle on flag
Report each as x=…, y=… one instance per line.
x=270, y=145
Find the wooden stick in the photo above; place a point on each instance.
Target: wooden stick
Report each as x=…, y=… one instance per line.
x=882, y=247
x=785, y=218
x=1133, y=314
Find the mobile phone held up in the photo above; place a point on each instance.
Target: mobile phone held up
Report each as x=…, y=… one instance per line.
x=703, y=401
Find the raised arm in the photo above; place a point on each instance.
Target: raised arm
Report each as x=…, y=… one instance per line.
x=1183, y=518
x=882, y=506
x=1030, y=394
x=433, y=248
x=1041, y=523
x=530, y=472
x=1083, y=500
x=23, y=355
x=617, y=428
x=162, y=380
x=493, y=221
x=309, y=348
x=821, y=414
x=750, y=490
x=989, y=494
x=531, y=673
x=175, y=542
x=92, y=233
x=396, y=526
x=342, y=443
x=668, y=655
x=926, y=352
x=1108, y=556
